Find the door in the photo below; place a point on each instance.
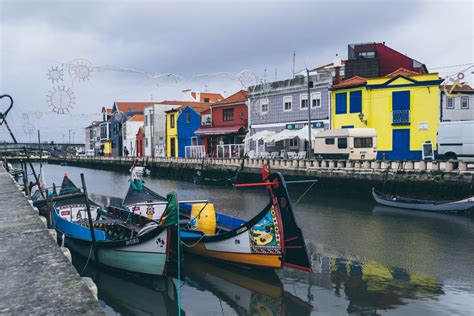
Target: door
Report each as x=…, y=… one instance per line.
x=173, y=147
x=400, y=144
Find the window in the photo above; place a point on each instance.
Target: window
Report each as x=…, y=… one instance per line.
x=355, y=101
x=264, y=106
x=342, y=143
x=341, y=103
x=194, y=141
x=172, y=120
x=287, y=102
x=146, y=120
x=228, y=114
x=363, y=142
x=206, y=100
x=293, y=142
x=303, y=101
x=316, y=100
x=151, y=119
x=188, y=117
x=464, y=102
x=450, y=103
x=329, y=141
x=401, y=108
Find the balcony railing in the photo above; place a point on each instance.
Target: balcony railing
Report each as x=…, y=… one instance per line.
x=401, y=117
x=230, y=151
x=196, y=151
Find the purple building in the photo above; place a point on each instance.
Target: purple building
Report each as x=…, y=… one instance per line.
x=283, y=106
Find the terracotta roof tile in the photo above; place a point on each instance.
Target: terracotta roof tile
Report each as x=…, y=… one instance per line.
x=403, y=72
x=356, y=80
x=137, y=118
x=464, y=88
x=238, y=97
x=132, y=106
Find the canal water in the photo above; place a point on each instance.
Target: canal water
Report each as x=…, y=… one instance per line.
x=367, y=259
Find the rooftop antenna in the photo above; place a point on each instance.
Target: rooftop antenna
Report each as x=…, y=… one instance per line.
x=275, y=74
x=265, y=76
x=205, y=87
x=151, y=97
x=294, y=58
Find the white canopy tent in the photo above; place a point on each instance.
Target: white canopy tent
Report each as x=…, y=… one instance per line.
x=263, y=135
x=302, y=134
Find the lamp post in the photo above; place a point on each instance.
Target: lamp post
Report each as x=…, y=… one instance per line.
x=309, y=115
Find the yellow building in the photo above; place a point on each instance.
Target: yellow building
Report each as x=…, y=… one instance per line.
x=403, y=107
x=172, y=133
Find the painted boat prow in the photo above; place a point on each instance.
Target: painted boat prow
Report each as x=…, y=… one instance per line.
x=296, y=254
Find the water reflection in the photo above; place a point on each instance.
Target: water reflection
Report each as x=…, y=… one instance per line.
x=131, y=294
x=371, y=286
x=247, y=292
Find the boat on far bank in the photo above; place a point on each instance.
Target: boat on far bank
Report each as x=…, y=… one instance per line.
x=450, y=206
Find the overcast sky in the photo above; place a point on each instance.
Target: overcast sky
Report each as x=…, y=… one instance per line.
x=131, y=46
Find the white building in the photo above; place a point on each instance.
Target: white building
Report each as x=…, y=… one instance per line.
x=129, y=134
x=155, y=129
x=92, y=139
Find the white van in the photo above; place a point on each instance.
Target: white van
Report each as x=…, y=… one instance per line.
x=456, y=140
x=346, y=143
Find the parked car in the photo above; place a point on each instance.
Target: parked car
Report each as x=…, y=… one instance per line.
x=456, y=140
x=346, y=143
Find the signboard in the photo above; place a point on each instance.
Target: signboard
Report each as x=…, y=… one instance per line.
x=427, y=151
x=301, y=125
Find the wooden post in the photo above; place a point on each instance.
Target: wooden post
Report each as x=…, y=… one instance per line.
x=91, y=225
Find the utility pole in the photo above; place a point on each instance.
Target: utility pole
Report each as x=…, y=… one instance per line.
x=309, y=115
x=294, y=58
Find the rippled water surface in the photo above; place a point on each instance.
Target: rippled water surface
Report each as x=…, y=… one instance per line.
x=367, y=259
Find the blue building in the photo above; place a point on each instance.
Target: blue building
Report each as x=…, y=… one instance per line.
x=121, y=111
x=182, y=134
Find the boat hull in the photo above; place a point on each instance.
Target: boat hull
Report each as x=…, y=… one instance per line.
x=452, y=206
x=147, y=257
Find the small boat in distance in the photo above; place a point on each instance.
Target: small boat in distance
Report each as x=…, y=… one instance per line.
x=203, y=176
x=423, y=205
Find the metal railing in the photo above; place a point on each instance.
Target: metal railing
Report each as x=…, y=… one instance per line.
x=401, y=117
x=196, y=151
x=230, y=151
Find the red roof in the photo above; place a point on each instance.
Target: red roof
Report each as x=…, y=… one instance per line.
x=197, y=106
x=356, y=80
x=327, y=66
x=132, y=106
x=402, y=72
x=464, y=88
x=238, y=97
x=218, y=130
x=213, y=97
x=137, y=118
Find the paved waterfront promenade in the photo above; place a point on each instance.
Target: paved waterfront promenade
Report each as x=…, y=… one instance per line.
x=437, y=179
x=35, y=276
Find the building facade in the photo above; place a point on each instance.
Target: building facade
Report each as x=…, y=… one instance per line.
x=371, y=60
x=92, y=139
x=181, y=125
x=155, y=128
x=403, y=107
x=457, y=104
x=224, y=126
x=129, y=134
x=121, y=112
x=283, y=105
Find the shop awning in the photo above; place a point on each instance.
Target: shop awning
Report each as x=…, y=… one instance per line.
x=218, y=130
x=265, y=135
x=302, y=134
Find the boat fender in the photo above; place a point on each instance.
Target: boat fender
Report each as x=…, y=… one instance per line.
x=203, y=218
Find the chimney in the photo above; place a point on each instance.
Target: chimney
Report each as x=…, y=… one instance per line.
x=337, y=75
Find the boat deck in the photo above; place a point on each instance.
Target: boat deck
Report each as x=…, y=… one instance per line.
x=36, y=277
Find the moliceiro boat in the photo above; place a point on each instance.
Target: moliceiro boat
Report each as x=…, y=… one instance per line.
x=271, y=239
x=422, y=205
x=123, y=240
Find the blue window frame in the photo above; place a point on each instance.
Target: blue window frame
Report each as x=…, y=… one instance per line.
x=401, y=108
x=355, y=101
x=341, y=103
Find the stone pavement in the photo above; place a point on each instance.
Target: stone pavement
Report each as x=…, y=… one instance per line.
x=35, y=275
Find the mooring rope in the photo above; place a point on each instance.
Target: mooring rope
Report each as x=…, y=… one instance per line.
x=197, y=242
x=88, y=258
x=304, y=193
